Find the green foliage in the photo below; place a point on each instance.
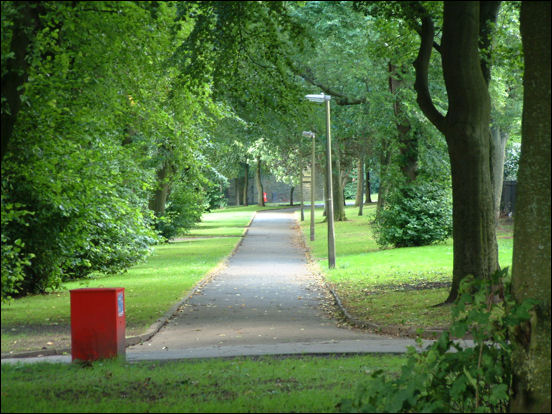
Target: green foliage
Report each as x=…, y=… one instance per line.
x=415, y=215
x=468, y=379
x=214, y=193
x=14, y=260
x=511, y=161
x=72, y=164
x=183, y=210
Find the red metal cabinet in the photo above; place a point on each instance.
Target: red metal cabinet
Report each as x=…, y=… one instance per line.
x=97, y=323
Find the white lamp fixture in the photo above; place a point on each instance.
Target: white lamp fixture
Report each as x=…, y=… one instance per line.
x=318, y=97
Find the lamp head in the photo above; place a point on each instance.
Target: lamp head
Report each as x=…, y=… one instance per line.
x=318, y=97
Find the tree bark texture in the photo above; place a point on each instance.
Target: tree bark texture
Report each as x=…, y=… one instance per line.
x=245, y=183
x=15, y=74
x=531, y=257
x=159, y=200
x=237, y=191
x=338, y=195
x=467, y=131
x=385, y=159
x=407, y=138
x=259, y=184
x=360, y=187
x=368, y=189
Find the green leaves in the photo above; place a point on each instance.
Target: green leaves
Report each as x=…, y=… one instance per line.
x=472, y=379
x=415, y=215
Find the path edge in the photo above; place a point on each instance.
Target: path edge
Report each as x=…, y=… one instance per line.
x=314, y=267
x=160, y=322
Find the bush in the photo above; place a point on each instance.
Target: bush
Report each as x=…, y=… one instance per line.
x=47, y=240
x=475, y=379
x=14, y=259
x=415, y=215
x=214, y=192
x=184, y=208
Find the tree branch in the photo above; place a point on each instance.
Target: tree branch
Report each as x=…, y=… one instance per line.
x=421, y=65
x=488, y=11
x=341, y=99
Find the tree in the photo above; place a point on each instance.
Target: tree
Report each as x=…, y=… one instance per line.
x=531, y=261
x=20, y=25
x=102, y=111
x=506, y=93
x=466, y=129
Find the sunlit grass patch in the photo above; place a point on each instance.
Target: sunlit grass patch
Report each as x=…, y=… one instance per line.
x=151, y=288
x=362, y=266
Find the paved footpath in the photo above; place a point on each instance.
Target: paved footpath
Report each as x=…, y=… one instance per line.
x=264, y=302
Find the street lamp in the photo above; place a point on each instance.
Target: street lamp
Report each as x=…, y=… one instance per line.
x=310, y=134
x=329, y=203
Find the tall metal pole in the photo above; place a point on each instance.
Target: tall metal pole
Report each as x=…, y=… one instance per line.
x=330, y=212
x=312, y=192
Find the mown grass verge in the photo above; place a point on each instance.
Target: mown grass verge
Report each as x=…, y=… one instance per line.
x=394, y=286
x=267, y=384
x=42, y=322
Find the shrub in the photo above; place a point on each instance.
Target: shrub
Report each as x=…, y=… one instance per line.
x=14, y=259
x=472, y=379
x=184, y=208
x=214, y=192
x=415, y=215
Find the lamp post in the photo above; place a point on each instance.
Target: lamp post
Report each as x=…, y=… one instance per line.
x=311, y=135
x=329, y=193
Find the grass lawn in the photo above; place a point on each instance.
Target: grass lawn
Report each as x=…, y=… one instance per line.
x=267, y=384
x=43, y=321
x=229, y=221
x=392, y=286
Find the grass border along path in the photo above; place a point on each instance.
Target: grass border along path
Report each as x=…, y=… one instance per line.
x=40, y=324
x=392, y=290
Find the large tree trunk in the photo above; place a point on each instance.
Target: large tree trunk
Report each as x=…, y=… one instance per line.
x=15, y=74
x=385, y=158
x=408, y=139
x=159, y=200
x=338, y=195
x=360, y=182
x=245, y=184
x=238, y=191
x=361, y=185
x=368, y=189
x=291, y=190
x=531, y=258
x=467, y=132
x=259, y=184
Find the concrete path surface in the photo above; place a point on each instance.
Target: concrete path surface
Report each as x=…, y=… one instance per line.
x=264, y=302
